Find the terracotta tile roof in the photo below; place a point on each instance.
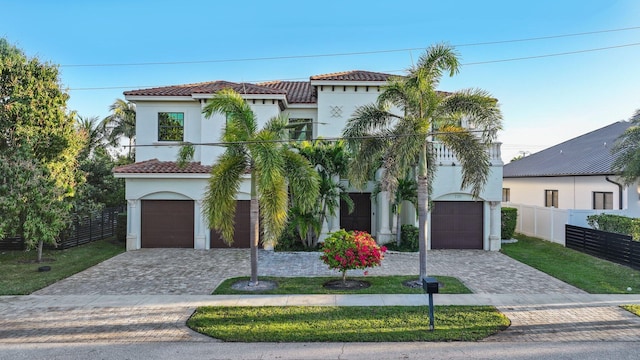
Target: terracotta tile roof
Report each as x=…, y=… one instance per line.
x=300, y=92
x=155, y=166
x=354, y=75
x=205, y=88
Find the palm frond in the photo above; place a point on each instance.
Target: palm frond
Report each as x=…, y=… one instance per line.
x=304, y=180
x=478, y=106
x=219, y=203
x=473, y=156
x=235, y=108
x=431, y=65
x=366, y=120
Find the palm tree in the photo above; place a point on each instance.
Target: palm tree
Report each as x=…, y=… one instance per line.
x=121, y=122
x=274, y=169
x=627, y=152
x=402, y=140
x=331, y=160
x=94, y=133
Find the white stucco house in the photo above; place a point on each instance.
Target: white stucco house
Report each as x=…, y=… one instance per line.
x=165, y=202
x=575, y=174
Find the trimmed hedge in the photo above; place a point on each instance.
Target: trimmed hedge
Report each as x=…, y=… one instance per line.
x=616, y=224
x=508, y=224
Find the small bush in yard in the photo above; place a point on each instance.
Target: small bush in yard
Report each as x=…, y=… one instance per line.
x=509, y=219
x=616, y=224
x=344, y=251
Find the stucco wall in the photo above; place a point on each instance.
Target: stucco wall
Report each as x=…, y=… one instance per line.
x=575, y=192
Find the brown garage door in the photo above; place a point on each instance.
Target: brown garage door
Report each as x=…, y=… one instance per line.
x=167, y=224
x=456, y=225
x=242, y=228
x=360, y=218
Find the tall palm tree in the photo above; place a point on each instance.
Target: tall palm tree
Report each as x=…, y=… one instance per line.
x=274, y=170
x=121, y=123
x=402, y=140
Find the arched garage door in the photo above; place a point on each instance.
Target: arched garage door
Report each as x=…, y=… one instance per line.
x=167, y=223
x=242, y=228
x=456, y=225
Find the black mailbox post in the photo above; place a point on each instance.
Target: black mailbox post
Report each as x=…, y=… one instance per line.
x=430, y=286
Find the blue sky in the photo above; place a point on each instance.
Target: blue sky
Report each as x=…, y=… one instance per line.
x=544, y=100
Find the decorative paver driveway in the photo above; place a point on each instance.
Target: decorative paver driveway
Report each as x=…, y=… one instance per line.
x=199, y=272
x=58, y=314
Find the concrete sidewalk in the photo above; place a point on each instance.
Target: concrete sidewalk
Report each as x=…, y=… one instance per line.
x=162, y=318
x=192, y=301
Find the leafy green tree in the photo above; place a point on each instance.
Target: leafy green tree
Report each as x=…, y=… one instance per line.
x=121, y=123
x=402, y=140
x=274, y=169
x=31, y=206
x=100, y=189
x=33, y=117
x=627, y=152
x=39, y=146
x=331, y=160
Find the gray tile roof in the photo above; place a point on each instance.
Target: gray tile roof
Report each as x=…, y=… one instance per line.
x=588, y=154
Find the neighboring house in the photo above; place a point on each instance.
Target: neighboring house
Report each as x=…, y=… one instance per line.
x=165, y=201
x=575, y=174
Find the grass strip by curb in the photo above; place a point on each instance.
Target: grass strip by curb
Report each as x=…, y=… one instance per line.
x=634, y=309
x=591, y=274
x=347, y=324
x=313, y=285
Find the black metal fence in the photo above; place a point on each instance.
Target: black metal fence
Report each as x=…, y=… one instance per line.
x=88, y=228
x=614, y=247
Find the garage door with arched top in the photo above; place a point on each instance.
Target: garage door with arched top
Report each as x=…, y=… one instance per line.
x=167, y=223
x=457, y=225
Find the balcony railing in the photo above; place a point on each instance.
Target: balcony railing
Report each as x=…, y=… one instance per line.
x=446, y=157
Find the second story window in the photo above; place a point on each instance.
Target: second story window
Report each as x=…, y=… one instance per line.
x=551, y=198
x=300, y=129
x=602, y=200
x=170, y=126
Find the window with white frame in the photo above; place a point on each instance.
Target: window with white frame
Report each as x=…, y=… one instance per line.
x=170, y=126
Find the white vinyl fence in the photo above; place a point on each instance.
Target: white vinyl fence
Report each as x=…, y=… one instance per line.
x=549, y=223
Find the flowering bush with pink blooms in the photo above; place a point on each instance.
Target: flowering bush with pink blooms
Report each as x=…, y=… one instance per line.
x=344, y=251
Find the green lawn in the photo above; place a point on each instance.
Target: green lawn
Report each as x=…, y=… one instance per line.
x=347, y=324
x=20, y=274
x=586, y=272
x=632, y=308
x=313, y=285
